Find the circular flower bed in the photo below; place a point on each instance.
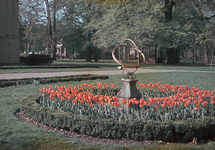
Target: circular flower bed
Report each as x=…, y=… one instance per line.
x=166, y=102
x=166, y=112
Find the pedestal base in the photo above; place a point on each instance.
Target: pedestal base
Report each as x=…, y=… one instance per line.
x=129, y=91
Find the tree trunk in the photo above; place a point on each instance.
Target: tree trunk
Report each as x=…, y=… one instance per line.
x=169, y=6
x=96, y=55
x=161, y=56
x=51, y=28
x=89, y=48
x=170, y=52
x=53, y=49
x=206, y=52
x=28, y=47
x=193, y=56
x=89, y=53
x=170, y=56
x=72, y=55
x=177, y=53
x=49, y=23
x=212, y=55
x=47, y=49
x=155, y=54
x=201, y=48
x=196, y=56
x=102, y=53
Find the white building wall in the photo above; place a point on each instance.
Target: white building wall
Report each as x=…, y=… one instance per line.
x=9, y=33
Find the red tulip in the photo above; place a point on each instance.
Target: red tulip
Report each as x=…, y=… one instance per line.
x=136, y=102
x=163, y=105
x=103, y=103
x=145, y=103
x=141, y=106
x=128, y=103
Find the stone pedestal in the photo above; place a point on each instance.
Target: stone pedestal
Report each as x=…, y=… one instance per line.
x=129, y=91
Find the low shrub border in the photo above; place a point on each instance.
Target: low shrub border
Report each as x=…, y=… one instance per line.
x=171, y=131
x=5, y=83
x=50, y=67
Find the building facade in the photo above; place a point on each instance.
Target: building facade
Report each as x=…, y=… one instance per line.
x=9, y=31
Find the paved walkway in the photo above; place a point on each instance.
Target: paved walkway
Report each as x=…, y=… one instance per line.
x=104, y=72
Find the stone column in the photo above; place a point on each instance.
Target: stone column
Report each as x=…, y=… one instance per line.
x=9, y=34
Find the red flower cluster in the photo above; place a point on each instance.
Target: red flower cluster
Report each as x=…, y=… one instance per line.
x=75, y=94
x=182, y=94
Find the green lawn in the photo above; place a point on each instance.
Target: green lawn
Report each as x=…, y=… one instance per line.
x=15, y=134
x=103, y=65
x=89, y=66
x=169, y=67
x=3, y=71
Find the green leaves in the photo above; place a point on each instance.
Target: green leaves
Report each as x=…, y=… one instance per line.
x=134, y=129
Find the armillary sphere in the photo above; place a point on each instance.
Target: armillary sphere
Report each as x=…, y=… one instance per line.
x=128, y=56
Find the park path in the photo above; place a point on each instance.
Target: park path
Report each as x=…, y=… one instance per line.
x=104, y=72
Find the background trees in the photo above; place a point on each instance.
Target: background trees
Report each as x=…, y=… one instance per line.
x=170, y=27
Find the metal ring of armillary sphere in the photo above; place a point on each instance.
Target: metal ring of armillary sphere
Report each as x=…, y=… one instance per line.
x=134, y=47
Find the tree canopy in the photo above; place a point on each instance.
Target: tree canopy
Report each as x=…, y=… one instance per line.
x=87, y=25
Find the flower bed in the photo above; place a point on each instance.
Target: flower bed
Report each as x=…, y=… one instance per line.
x=176, y=112
x=170, y=102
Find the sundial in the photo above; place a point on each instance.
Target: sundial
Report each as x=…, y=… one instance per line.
x=130, y=58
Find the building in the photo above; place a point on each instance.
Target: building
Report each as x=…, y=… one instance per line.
x=9, y=31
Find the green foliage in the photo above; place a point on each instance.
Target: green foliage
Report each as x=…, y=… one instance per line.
x=184, y=130
x=83, y=26
x=169, y=25
x=5, y=83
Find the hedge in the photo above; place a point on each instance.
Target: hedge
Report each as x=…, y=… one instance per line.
x=5, y=83
x=49, y=66
x=171, y=131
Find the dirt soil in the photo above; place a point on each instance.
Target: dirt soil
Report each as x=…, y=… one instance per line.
x=91, y=139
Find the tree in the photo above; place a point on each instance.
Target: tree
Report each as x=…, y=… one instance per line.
x=165, y=24
x=38, y=15
x=126, y=19
x=202, y=18
x=71, y=27
x=51, y=27
x=31, y=30
x=91, y=11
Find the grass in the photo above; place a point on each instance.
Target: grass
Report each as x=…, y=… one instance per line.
x=168, y=67
x=15, y=134
x=103, y=65
x=4, y=71
x=69, y=64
